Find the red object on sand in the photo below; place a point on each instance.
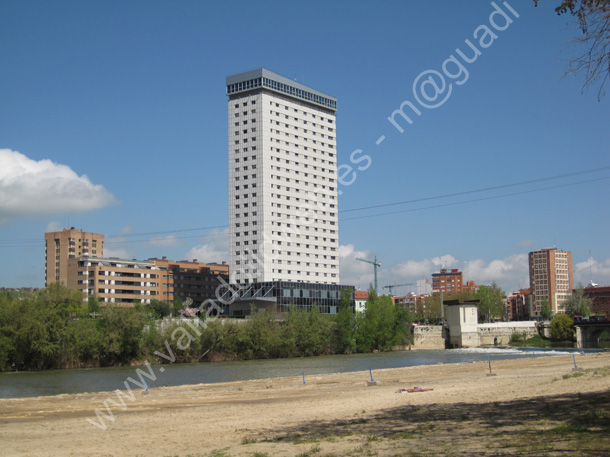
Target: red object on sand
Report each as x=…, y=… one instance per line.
x=415, y=389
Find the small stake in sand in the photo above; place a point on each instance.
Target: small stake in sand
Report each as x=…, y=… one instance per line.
x=304, y=378
x=145, y=387
x=576, y=368
x=489, y=361
x=372, y=382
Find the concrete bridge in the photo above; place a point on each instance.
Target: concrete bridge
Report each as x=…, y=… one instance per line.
x=588, y=333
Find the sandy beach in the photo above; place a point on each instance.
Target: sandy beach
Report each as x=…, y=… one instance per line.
x=536, y=406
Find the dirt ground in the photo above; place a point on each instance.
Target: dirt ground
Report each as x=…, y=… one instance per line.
x=529, y=407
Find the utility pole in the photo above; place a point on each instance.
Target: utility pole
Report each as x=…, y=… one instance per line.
x=375, y=266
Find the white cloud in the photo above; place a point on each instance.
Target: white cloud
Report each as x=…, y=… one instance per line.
x=216, y=250
x=510, y=273
x=117, y=246
x=34, y=188
x=53, y=226
x=592, y=270
x=165, y=242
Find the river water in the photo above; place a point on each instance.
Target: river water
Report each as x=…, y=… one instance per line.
x=55, y=382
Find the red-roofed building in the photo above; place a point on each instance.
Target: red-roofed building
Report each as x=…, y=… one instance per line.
x=360, y=297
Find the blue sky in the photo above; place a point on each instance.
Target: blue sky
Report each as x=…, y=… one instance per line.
x=113, y=119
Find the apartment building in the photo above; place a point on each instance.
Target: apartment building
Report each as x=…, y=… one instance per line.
x=283, y=222
x=283, y=214
x=191, y=279
x=519, y=305
x=550, y=273
x=68, y=244
x=600, y=297
x=115, y=280
x=447, y=281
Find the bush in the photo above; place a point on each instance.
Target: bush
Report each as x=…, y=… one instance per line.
x=562, y=328
x=516, y=337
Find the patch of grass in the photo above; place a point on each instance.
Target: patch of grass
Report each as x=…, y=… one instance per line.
x=298, y=439
x=246, y=440
x=370, y=438
x=564, y=429
x=577, y=374
x=602, y=372
x=219, y=453
x=260, y=454
x=314, y=450
x=402, y=436
x=425, y=427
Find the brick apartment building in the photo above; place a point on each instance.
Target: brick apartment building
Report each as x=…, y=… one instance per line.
x=65, y=245
x=519, y=305
x=449, y=281
x=195, y=280
x=600, y=296
x=550, y=277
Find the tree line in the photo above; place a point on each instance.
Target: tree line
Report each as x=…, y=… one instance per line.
x=53, y=329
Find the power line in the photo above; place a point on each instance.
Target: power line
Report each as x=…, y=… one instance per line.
x=167, y=231
x=471, y=201
x=484, y=189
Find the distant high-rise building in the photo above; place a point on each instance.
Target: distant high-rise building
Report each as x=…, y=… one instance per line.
x=447, y=281
x=550, y=278
x=65, y=245
x=283, y=223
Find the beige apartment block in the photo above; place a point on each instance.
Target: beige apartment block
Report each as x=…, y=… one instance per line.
x=115, y=280
x=65, y=245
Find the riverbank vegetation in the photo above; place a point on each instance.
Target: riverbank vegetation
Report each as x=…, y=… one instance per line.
x=53, y=329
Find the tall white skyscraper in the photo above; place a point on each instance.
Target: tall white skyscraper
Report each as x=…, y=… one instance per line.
x=283, y=222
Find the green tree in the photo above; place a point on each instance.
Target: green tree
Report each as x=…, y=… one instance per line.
x=93, y=304
x=431, y=307
x=260, y=338
x=562, y=327
x=493, y=302
x=593, y=18
x=545, y=309
x=122, y=328
x=345, y=325
x=381, y=326
x=578, y=303
x=160, y=308
x=177, y=305
x=306, y=333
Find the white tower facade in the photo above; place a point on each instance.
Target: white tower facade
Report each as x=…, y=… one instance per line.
x=283, y=215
